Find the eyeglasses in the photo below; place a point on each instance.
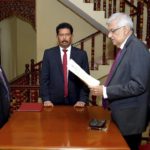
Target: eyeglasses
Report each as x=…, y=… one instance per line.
x=114, y=30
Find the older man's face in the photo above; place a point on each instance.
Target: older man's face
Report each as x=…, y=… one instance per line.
x=117, y=33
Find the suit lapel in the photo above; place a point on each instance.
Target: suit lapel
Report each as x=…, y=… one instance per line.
x=119, y=59
x=58, y=61
x=115, y=67
x=73, y=54
x=123, y=52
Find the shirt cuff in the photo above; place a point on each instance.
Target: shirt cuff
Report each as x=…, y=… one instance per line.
x=105, y=96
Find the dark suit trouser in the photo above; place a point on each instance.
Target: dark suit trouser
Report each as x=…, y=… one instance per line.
x=133, y=141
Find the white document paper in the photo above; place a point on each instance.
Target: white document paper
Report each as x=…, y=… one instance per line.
x=79, y=72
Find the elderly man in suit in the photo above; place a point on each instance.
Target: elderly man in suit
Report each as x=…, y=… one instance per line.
x=4, y=98
x=58, y=86
x=127, y=89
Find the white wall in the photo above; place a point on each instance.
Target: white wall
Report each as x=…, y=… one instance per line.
x=18, y=45
x=26, y=44
x=8, y=46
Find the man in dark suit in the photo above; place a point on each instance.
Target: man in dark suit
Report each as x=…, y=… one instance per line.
x=127, y=88
x=55, y=87
x=4, y=98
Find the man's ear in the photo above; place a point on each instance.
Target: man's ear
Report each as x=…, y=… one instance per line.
x=127, y=30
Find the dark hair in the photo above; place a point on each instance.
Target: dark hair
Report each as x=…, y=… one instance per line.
x=64, y=25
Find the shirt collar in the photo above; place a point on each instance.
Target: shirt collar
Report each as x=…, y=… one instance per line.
x=68, y=48
x=124, y=42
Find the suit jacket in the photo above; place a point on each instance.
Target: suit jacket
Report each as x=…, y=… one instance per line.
x=52, y=81
x=129, y=88
x=4, y=100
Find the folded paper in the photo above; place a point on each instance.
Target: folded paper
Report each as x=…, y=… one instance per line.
x=79, y=72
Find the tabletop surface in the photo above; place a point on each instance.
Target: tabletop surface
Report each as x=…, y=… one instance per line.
x=61, y=127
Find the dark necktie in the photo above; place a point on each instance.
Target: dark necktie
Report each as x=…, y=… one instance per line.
x=3, y=80
x=113, y=67
x=65, y=73
x=104, y=101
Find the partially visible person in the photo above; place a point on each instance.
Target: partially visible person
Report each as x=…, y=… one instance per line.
x=4, y=99
x=127, y=89
x=55, y=87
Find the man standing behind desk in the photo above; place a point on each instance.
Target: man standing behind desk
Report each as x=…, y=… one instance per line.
x=58, y=86
x=4, y=98
x=127, y=89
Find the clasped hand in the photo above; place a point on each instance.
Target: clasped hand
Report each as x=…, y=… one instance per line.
x=96, y=90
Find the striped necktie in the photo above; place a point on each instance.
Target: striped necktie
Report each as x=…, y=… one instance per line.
x=3, y=80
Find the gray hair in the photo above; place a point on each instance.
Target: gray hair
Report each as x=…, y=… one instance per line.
x=121, y=19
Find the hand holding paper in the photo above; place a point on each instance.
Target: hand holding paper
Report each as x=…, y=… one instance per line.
x=79, y=72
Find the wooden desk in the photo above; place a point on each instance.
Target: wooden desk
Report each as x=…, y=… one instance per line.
x=62, y=127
